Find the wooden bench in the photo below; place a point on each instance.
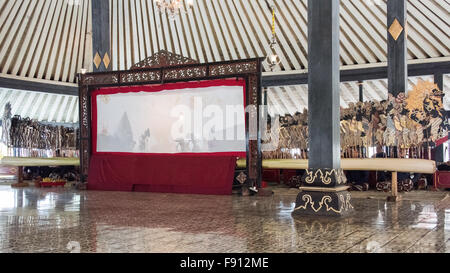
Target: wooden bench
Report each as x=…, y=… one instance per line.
x=394, y=165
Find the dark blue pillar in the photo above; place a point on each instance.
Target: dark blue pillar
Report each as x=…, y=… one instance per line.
x=324, y=191
x=101, y=41
x=397, y=47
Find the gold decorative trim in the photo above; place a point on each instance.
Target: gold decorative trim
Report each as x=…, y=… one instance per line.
x=97, y=60
x=346, y=205
x=395, y=29
x=106, y=60
x=311, y=176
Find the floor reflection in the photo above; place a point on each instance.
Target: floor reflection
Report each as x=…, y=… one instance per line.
x=59, y=220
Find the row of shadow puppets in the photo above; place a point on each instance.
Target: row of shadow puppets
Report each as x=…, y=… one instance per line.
x=402, y=126
x=29, y=138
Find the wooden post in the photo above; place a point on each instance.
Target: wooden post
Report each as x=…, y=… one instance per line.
x=394, y=197
x=20, y=174
x=361, y=91
x=394, y=184
x=20, y=183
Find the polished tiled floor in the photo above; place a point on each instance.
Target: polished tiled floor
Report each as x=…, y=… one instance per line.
x=62, y=220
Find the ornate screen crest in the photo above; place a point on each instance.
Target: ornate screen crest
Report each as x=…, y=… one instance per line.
x=166, y=67
x=163, y=59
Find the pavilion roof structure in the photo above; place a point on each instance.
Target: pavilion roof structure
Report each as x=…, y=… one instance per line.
x=50, y=41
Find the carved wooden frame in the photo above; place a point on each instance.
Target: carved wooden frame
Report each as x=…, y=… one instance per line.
x=162, y=68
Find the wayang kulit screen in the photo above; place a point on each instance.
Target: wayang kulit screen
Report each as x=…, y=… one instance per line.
x=183, y=118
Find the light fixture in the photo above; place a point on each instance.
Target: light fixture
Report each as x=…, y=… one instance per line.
x=272, y=58
x=83, y=70
x=172, y=7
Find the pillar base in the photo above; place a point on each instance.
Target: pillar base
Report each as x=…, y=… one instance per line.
x=324, y=194
x=336, y=204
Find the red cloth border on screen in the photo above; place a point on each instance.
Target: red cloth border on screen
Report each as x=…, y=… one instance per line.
x=159, y=88
x=155, y=173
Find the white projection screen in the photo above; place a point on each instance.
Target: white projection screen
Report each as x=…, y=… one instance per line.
x=185, y=118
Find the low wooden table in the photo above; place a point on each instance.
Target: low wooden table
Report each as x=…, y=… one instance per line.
x=21, y=162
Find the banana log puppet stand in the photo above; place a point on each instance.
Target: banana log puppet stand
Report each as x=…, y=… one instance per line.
x=401, y=127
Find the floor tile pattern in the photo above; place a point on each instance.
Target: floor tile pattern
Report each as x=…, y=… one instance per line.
x=65, y=220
